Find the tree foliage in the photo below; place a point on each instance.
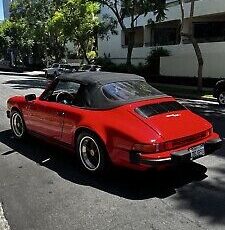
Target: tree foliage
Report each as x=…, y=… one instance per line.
x=80, y=24
x=33, y=38
x=41, y=28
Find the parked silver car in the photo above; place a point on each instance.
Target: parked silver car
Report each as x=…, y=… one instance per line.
x=56, y=69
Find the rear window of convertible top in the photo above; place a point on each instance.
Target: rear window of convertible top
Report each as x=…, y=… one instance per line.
x=129, y=90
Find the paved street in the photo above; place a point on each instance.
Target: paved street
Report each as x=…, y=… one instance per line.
x=42, y=188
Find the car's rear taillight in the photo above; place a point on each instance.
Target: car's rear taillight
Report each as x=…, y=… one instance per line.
x=149, y=148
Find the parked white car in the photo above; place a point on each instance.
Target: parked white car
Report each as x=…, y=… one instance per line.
x=56, y=69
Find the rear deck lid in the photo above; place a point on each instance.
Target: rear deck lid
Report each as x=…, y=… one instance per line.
x=171, y=120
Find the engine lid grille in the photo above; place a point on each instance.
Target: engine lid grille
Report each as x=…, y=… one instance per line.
x=159, y=108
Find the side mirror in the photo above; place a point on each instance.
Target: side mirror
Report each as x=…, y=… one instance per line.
x=30, y=97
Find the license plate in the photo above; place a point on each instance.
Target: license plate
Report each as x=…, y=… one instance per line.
x=197, y=152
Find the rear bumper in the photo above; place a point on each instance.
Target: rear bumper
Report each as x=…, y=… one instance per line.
x=178, y=157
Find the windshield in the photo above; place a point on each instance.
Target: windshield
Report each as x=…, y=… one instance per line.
x=129, y=90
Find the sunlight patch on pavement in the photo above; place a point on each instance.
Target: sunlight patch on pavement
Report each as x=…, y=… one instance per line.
x=3, y=222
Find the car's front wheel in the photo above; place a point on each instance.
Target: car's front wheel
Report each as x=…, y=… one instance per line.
x=221, y=98
x=91, y=153
x=17, y=124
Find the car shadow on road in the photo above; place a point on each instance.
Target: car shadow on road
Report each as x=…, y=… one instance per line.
x=124, y=183
x=27, y=83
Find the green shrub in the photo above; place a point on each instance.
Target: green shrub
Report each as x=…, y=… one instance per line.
x=103, y=61
x=157, y=53
x=91, y=55
x=153, y=60
x=109, y=66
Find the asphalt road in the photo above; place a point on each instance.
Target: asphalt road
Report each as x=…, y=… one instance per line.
x=42, y=188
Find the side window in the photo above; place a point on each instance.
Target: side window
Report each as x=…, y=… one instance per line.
x=70, y=93
x=61, y=87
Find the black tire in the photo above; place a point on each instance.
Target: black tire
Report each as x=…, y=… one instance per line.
x=221, y=98
x=17, y=124
x=91, y=153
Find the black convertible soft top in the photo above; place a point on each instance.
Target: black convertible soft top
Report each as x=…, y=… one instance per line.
x=102, y=78
x=94, y=96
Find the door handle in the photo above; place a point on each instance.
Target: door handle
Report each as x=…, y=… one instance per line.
x=60, y=114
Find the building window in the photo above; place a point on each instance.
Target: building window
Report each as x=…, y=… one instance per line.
x=138, y=37
x=209, y=31
x=163, y=34
x=165, y=37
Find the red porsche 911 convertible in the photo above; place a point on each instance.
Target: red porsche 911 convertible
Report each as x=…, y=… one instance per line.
x=113, y=118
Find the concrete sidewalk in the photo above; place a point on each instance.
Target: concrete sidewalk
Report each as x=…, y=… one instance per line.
x=30, y=74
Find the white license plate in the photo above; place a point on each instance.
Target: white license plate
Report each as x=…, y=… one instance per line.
x=197, y=152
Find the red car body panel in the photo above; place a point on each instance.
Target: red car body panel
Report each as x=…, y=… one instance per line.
x=119, y=128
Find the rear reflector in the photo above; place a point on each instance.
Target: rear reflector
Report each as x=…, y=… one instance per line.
x=146, y=148
x=155, y=109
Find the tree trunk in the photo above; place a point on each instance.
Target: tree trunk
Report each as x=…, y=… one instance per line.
x=84, y=51
x=130, y=49
x=200, y=73
x=86, y=57
x=197, y=49
x=193, y=42
x=200, y=62
x=129, y=55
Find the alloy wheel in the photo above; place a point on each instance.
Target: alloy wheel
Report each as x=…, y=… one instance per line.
x=17, y=125
x=89, y=153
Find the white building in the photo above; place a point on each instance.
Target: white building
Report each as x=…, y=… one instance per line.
x=208, y=28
